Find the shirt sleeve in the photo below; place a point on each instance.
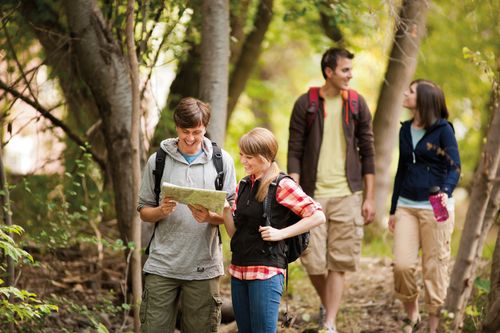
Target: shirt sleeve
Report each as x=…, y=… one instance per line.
x=291, y=195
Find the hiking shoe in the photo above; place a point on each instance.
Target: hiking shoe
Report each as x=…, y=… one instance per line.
x=328, y=330
x=322, y=317
x=407, y=323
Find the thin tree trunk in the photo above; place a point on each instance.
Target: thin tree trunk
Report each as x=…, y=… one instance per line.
x=249, y=54
x=106, y=73
x=463, y=274
x=6, y=214
x=329, y=24
x=135, y=230
x=215, y=64
x=237, y=18
x=402, y=63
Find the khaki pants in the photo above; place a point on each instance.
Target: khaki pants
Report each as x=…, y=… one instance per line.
x=417, y=229
x=336, y=244
x=200, y=305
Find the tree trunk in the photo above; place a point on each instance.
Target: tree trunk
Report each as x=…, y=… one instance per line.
x=249, y=54
x=6, y=216
x=237, y=18
x=215, y=64
x=106, y=73
x=463, y=274
x=402, y=63
x=81, y=108
x=491, y=322
x=329, y=24
x=135, y=230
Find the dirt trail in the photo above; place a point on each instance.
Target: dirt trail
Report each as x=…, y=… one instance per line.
x=368, y=303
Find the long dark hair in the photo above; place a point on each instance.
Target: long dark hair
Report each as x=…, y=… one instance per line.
x=431, y=103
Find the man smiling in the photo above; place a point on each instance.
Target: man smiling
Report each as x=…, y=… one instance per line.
x=331, y=155
x=185, y=257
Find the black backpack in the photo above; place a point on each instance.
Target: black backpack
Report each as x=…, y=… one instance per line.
x=296, y=245
x=158, y=172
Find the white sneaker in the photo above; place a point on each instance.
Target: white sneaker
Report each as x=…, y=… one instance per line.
x=328, y=330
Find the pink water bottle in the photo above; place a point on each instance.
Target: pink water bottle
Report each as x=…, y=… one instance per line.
x=440, y=210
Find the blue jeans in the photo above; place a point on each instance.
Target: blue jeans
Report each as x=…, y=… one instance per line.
x=256, y=304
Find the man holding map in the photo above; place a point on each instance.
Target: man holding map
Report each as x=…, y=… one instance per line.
x=185, y=256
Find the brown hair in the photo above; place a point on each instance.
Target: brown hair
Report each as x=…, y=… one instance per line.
x=330, y=57
x=261, y=143
x=191, y=112
x=431, y=103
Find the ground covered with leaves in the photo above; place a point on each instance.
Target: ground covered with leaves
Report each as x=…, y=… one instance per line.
x=89, y=290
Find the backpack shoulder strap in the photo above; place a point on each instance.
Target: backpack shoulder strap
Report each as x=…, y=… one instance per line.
x=158, y=172
x=219, y=166
x=313, y=107
x=243, y=183
x=270, y=198
x=353, y=101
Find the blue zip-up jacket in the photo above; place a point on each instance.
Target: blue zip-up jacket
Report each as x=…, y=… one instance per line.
x=434, y=161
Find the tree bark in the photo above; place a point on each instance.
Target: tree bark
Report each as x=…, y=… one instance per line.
x=6, y=216
x=106, y=73
x=237, y=17
x=402, y=63
x=475, y=226
x=491, y=322
x=215, y=64
x=81, y=112
x=329, y=25
x=135, y=230
x=249, y=54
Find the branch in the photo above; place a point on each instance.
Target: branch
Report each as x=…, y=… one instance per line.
x=249, y=54
x=56, y=122
x=157, y=55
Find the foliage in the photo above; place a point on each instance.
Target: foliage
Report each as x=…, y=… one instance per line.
x=452, y=29
x=478, y=304
x=58, y=209
x=18, y=306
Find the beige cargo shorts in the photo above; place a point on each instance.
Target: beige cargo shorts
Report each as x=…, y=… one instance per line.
x=336, y=244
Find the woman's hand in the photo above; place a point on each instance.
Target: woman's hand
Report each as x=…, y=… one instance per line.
x=392, y=223
x=271, y=234
x=200, y=213
x=167, y=206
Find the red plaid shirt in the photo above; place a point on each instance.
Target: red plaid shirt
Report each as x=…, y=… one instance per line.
x=290, y=195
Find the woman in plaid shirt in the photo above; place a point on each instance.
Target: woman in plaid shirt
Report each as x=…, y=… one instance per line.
x=258, y=264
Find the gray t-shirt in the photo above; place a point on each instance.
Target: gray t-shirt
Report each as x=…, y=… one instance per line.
x=183, y=248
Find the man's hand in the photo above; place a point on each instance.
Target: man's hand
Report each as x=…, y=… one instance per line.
x=368, y=211
x=200, y=213
x=167, y=206
x=270, y=234
x=392, y=222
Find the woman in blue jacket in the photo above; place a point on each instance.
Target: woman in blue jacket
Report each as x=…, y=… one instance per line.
x=428, y=156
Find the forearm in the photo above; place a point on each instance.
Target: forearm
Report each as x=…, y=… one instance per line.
x=215, y=219
x=151, y=214
x=229, y=221
x=306, y=224
x=369, y=190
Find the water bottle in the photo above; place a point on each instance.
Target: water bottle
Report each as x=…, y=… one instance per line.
x=440, y=210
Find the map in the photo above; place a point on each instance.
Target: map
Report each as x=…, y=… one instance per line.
x=210, y=199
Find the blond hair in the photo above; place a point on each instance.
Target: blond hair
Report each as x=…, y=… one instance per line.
x=261, y=143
